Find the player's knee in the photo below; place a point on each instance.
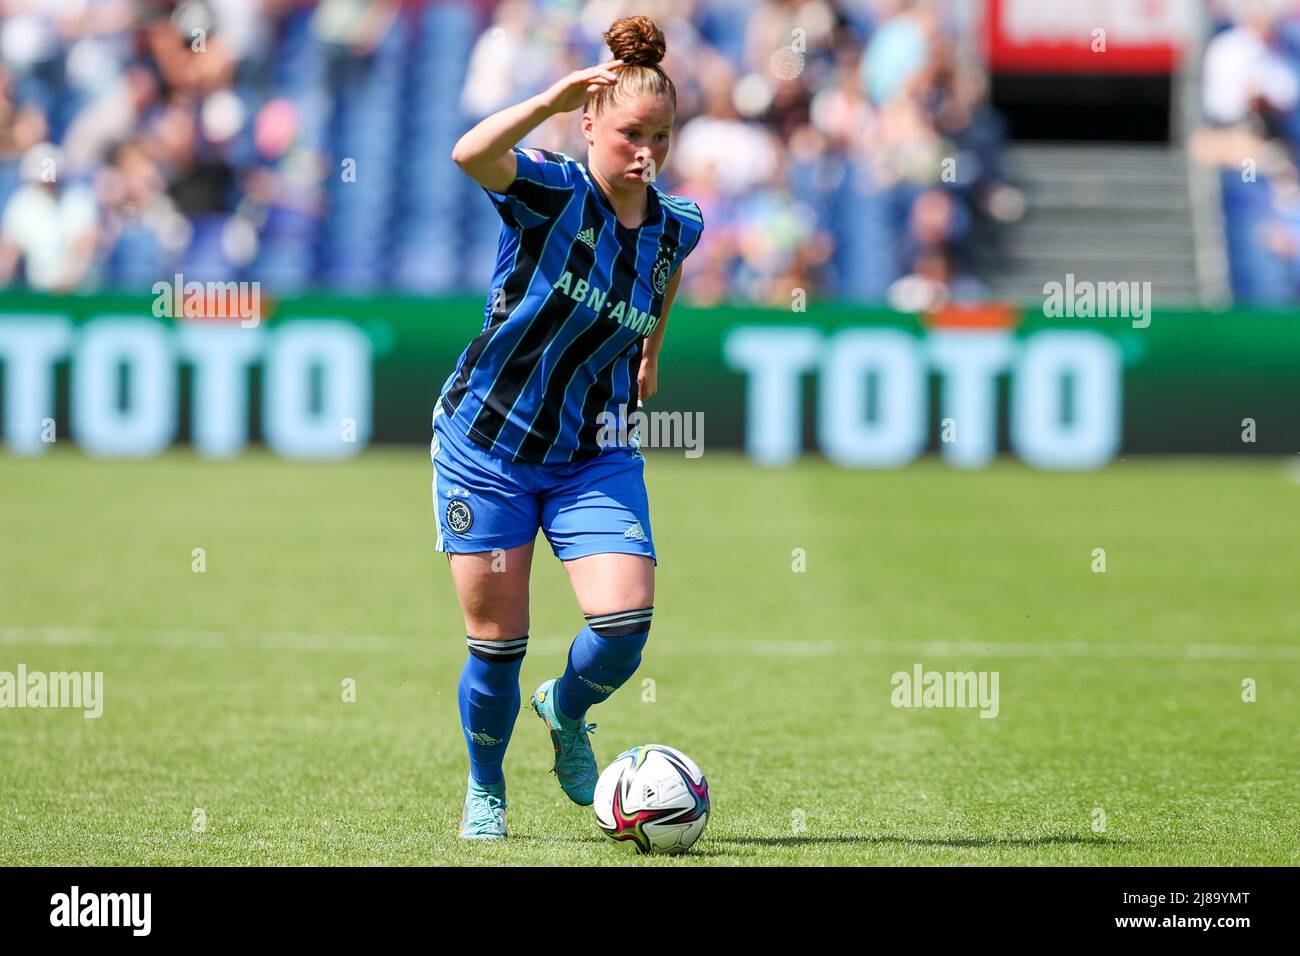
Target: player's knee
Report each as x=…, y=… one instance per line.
x=497, y=628
x=492, y=618
x=632, y=624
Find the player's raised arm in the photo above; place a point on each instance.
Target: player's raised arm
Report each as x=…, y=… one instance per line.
x=486, y=153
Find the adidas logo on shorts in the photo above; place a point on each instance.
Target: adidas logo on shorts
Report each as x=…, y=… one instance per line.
x=635, y=533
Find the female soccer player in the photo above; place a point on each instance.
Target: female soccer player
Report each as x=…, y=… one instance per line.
x=526, y=430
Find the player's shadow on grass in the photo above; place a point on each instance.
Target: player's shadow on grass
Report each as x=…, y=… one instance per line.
x=730, y=846
x=848, y=838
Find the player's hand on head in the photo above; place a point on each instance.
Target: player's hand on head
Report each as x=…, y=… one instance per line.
x=573, y=90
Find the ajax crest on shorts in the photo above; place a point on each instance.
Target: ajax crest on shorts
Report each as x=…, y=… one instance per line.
x=459, y=516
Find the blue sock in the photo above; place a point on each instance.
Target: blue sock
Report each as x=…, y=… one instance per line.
x=603, y=656
x=489, y=703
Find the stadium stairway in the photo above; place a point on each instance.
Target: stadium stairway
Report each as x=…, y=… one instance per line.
x=1106, y=213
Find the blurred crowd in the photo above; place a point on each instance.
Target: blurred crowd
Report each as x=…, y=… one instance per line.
x=845, y=148
x=1251, y=105
x=840, y=148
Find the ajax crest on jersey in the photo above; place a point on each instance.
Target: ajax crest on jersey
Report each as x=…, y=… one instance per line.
x=655, y=798
x=459, y=516
x=661, y=274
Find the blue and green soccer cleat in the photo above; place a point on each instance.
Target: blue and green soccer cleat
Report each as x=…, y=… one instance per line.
x=485, y=812
x=575, y=764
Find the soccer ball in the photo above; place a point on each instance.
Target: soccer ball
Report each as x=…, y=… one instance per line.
x=654, y=797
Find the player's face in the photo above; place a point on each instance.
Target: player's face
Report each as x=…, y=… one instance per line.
x=627, y=136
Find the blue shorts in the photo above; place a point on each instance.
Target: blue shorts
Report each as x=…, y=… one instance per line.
x=484, y=502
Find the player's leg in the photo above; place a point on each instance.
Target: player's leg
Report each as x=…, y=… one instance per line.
x=616, y=594
x=597, y=519
x=599, y=525
x=494, y=604
x=486, y=524
x=493, y=593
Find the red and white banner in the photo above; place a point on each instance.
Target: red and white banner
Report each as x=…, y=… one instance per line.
x=1086, y=36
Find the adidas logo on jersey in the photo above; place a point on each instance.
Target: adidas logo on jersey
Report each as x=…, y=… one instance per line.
x=588, y=236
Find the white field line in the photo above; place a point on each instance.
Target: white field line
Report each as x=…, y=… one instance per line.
x=369, y=643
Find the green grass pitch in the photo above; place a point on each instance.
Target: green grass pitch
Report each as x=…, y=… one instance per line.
x=1119, y=691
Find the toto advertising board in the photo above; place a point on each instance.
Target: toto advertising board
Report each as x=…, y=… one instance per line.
x=323, y=378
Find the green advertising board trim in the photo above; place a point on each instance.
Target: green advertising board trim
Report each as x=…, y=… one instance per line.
x=864, y=386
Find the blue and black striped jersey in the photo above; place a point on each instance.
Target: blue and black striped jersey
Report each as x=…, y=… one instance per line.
x=573, y=293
